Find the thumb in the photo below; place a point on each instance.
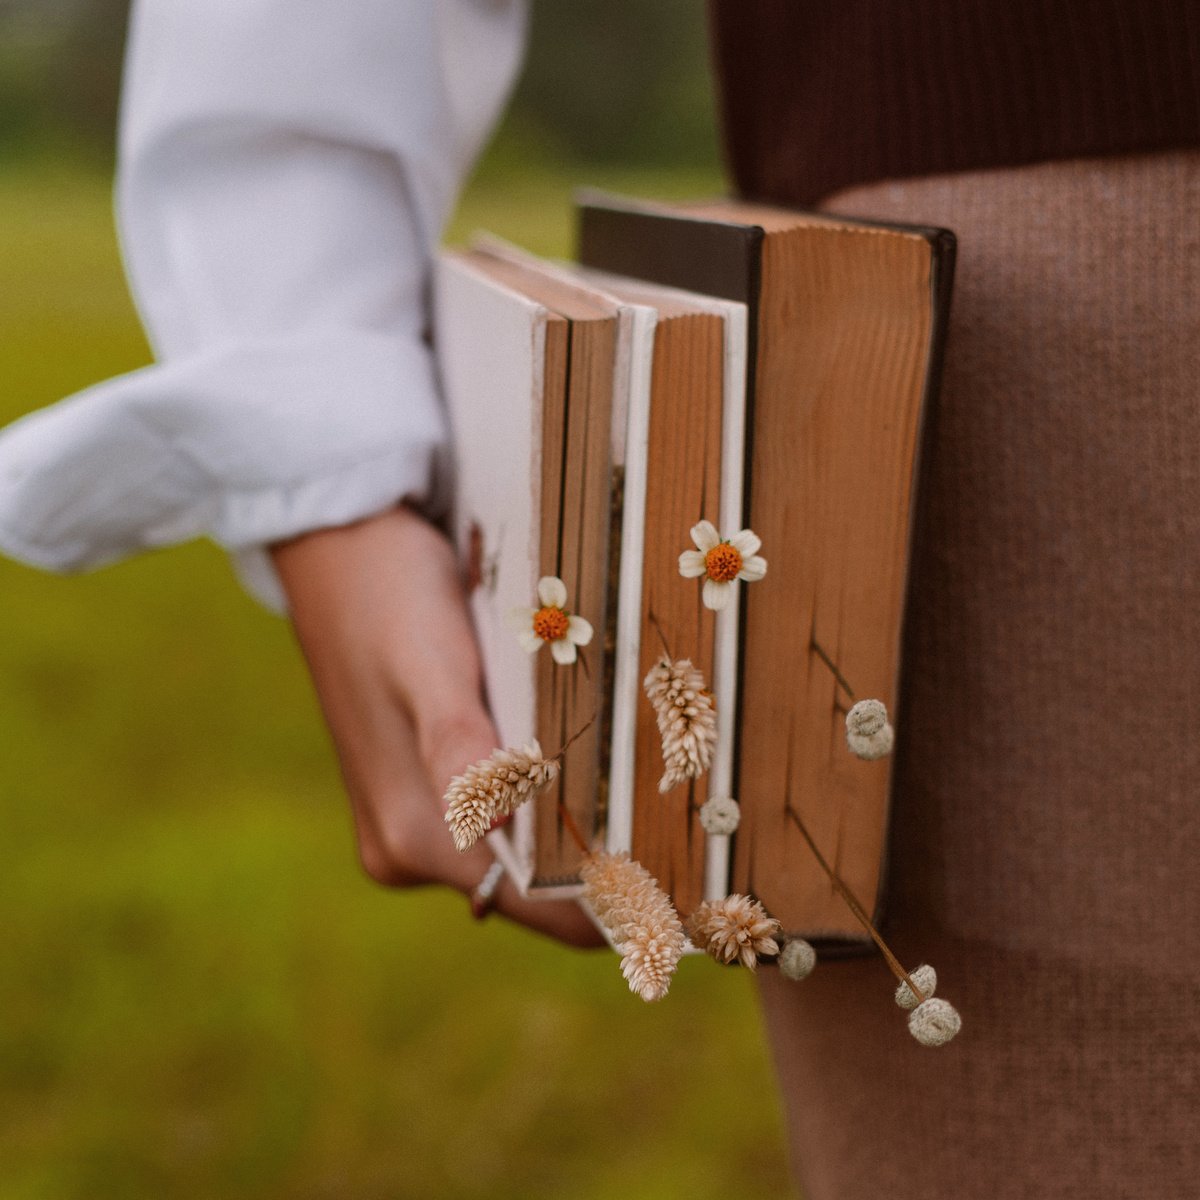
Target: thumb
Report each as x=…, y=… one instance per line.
x=450, y=741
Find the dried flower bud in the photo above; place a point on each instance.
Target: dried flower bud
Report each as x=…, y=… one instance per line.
x=797, y=959
x=868, y=733
x=934, y=1022
x=734, y=928
x=866, y=717
x=877, y=745
x=720, y=816
x=687, y=720
x=925, y=977
x=645, y=928
x=493, y=788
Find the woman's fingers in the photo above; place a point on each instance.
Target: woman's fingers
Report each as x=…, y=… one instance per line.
x=561, y=919
x=404, y=841
x=380, y=614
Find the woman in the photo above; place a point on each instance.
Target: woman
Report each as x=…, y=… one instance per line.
x=281, y=189
x=1044, y=830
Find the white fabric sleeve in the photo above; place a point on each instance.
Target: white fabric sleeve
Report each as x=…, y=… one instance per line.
x=285, y=170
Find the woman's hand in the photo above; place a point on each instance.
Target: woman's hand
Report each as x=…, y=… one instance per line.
x=380, y=615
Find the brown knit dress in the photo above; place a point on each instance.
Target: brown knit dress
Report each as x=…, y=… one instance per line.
x=1045, y=851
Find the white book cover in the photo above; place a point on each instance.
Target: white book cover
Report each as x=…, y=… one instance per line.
x=631, y=426
x=491, y=346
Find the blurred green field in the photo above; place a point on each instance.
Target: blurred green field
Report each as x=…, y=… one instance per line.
x=200, y=995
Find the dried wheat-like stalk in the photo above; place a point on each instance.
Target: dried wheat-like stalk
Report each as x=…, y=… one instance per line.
x=736, y=928
x=687, y=719
x=492, y=788
x=645, y=928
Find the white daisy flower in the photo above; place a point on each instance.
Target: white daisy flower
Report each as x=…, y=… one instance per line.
x=551, y=623
x=723, y=561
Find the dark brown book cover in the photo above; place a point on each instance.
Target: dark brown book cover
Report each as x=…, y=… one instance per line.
x=847, y=323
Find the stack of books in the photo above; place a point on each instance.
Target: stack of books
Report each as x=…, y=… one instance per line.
x=725, y=362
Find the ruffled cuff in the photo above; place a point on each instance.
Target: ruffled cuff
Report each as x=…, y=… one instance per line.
x=247, y=444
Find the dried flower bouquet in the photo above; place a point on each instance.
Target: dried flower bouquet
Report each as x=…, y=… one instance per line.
x=624, y=898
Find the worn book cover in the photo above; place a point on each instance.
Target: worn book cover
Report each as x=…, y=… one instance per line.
x=847, y=321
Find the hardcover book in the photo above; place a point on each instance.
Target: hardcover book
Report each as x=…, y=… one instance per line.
x=529, y=369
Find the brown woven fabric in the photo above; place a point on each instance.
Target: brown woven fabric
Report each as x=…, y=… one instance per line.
x=1046, y=834
x=820, y=94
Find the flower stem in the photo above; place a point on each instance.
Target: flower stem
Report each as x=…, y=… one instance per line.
x=662, y=637
x=856, y=908
x=571, y=827
x=832, y=666
x=575, y=737
x=568, y=820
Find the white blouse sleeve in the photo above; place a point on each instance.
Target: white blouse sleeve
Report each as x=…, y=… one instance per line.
x=285, y=172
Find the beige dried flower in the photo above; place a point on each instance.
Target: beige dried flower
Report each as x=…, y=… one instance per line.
x=934, y=1022
x=734, y=928
x=720, y=816
x=645, y=928
x=687, y=720
x=797, y=959
x=868, y=733
x=925, y=977
x=493, y=788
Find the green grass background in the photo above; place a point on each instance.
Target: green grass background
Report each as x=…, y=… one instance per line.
x=200, y=995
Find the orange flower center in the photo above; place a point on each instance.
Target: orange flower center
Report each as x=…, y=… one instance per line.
x=723, y=562
x=550, y=623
